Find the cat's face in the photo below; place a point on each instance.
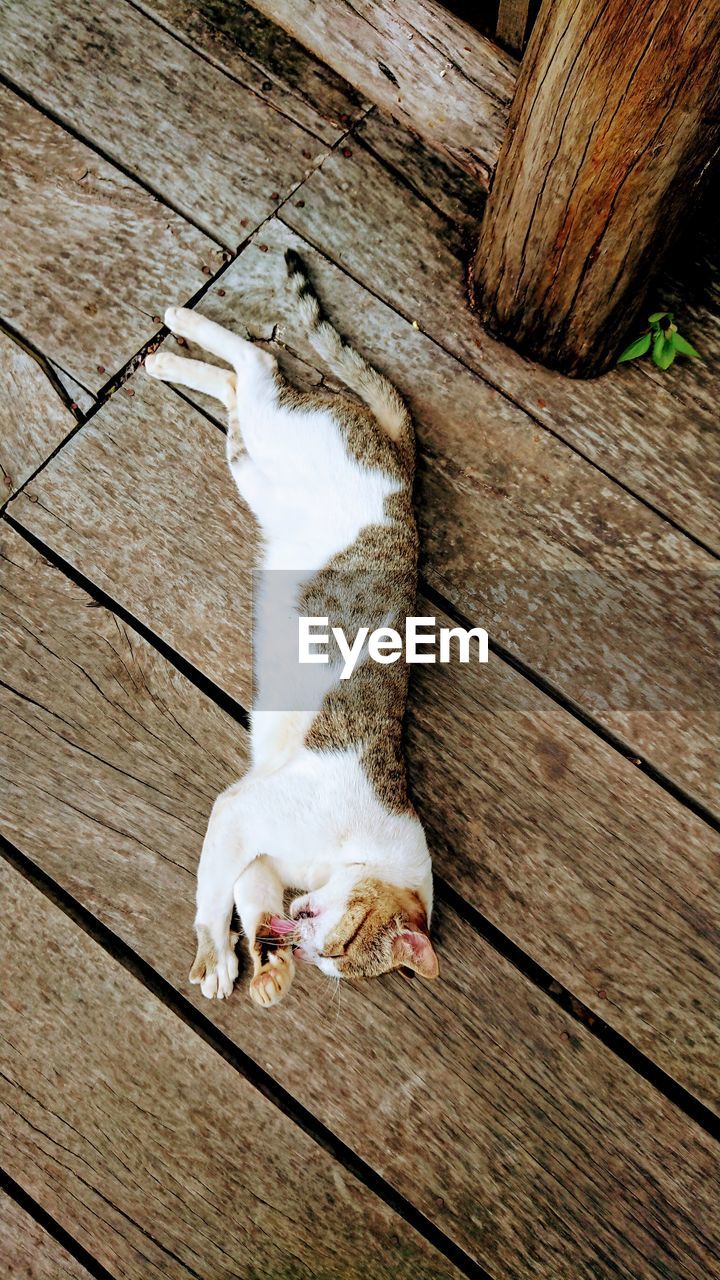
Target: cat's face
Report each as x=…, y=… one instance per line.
x=363, y=928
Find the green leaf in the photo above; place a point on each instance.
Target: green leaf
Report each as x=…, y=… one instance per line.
x=657, y=316
x=685, y=348
x=636, y=348
x=663, y=352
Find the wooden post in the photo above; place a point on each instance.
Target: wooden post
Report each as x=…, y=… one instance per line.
x=614, y=121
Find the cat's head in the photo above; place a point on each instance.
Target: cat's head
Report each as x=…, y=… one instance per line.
x=362, y=927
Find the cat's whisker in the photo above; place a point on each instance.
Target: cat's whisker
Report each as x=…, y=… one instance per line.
x=336, y=1001
x=329, y=997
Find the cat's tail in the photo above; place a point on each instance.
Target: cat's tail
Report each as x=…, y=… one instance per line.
x=379, y=395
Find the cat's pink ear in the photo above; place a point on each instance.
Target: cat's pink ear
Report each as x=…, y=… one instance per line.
x=415, y=951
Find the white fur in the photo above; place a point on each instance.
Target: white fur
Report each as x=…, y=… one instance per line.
x=300, y=818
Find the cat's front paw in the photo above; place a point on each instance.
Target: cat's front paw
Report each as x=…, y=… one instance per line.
x=273, y=980
x=215, y=968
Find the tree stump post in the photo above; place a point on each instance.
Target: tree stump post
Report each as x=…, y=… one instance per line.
x=615, y=119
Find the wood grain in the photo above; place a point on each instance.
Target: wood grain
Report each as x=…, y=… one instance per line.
x=28, y=1252
x=239, y=40
x=659, y=437
x=420, y=64
x=535, y=820
x=163, y=1158
x=212, y=148
x=36, y=418
x=621, y=615
x=114, y=760
x=89, y=256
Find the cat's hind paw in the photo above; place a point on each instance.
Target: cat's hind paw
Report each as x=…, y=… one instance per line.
x=180, y=320
x=160, y=365
x=215, y=968
x=273, y=980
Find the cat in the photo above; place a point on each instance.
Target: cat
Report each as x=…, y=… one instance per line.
x=324, y=806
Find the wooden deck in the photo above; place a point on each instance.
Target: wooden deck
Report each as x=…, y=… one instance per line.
x=549, y=1108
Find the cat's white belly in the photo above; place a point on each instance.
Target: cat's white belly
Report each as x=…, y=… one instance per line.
x=319, y=497
x=319, y=810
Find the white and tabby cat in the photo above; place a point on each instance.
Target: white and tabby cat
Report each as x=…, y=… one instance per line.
x=324, y=806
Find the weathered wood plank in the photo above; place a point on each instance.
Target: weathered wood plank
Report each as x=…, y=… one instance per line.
x=216, y=151
x=621, y=615
x=422, y=65
x=536, y=820
x=654, y=435
x=116, y=473
x=28, y=1252
x=35, y=417
x=262, y=56
x=114, y=759
x=89, y=256
x=576, y=856
x=76, y=392
x=433, y=177
x=165, y=1160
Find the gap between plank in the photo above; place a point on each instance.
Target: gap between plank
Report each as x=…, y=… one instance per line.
x=196, y=677
x=576, y=711
x=474, y=217
x=241, y=1062
x=116, y=381
x=157, y=21
x=56, y=119
x=541, y=978
x=613, y=1040
x=45, y=366
x=53, y=1228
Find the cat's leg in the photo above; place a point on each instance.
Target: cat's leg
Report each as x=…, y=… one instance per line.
x=224, y=856
x=258, y=896
x=253, y=486
x=215, y=338
x=253, y=415
x=196, y=374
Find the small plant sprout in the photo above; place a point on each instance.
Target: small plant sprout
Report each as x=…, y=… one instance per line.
x=664, y=340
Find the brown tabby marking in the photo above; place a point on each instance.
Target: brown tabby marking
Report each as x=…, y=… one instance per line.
x=364, y=438
x=372, y=583
x=363, y=944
